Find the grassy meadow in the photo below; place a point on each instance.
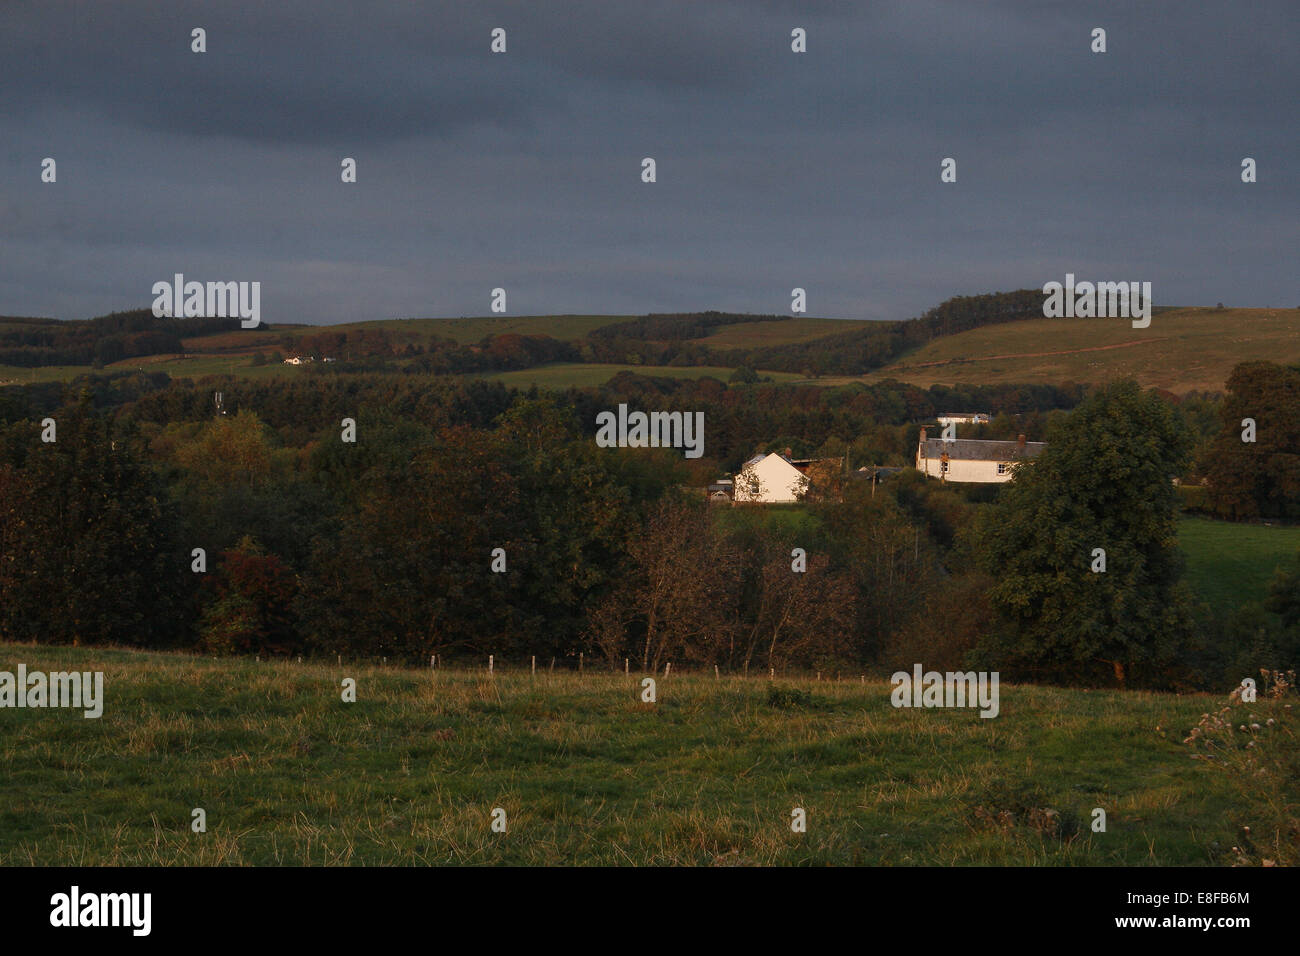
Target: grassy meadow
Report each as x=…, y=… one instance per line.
x=1182, y=350
x=583, y=375
x=1230, y=564
x=587, y=773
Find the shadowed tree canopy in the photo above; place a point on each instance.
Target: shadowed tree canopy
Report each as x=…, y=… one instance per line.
x=1103, y=484
x=1260, y=478
x=88, y=553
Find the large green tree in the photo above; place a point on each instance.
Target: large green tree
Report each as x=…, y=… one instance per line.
x=88, y=548
x=1103, y=484
x=1259, y=477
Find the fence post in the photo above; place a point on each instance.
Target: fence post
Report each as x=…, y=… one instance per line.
x=534, y=664
x=668, y=667
x=625, y=665
x=490, y=663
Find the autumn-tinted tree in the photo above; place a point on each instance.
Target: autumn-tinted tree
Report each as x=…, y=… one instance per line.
x=678, y=598
x=248, y=604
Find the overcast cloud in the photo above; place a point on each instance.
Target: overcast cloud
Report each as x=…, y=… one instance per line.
x=522, y=170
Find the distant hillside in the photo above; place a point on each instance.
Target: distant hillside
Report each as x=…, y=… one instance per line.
x=1182, y=350
x=998, y=338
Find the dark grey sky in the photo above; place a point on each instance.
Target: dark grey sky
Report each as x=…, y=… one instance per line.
x=522, y=170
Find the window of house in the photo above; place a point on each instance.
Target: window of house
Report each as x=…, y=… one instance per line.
x=943, y=467
x=1003, y=468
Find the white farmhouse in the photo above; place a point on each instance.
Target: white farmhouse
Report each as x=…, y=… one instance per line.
x=770, y=479
x=973, y=460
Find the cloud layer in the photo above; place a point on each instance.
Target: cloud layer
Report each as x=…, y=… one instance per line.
x=522, y=170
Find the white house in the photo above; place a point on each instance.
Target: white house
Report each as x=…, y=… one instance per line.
x=770, y=479
x=973, y=460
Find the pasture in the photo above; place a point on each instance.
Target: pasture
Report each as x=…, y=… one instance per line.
x=1182, y=350
x=587, y=773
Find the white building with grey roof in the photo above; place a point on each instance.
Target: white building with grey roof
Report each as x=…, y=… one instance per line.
x=973, y=460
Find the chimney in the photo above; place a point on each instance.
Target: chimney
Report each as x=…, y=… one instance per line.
x=790, y=454
x=1021, y=442
x=923, y=434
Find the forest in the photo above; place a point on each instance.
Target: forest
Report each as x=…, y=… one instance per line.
x=134, y=511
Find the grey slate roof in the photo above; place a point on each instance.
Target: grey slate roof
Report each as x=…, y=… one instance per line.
x=973, y=449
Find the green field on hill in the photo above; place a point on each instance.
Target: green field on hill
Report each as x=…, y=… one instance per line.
x=17, y=375
x=577, y=374
x=287, y=773
x=1183, y=349
x=1230, y=564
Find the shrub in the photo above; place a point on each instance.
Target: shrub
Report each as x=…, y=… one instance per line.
x=789, y=698
x=1254, y=744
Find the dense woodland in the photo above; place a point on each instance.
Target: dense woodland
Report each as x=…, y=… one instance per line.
x=383, y=547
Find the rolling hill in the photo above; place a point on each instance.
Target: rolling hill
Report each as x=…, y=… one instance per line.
x=1182, y=350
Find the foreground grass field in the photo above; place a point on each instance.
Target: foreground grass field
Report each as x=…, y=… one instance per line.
x=588, y=774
